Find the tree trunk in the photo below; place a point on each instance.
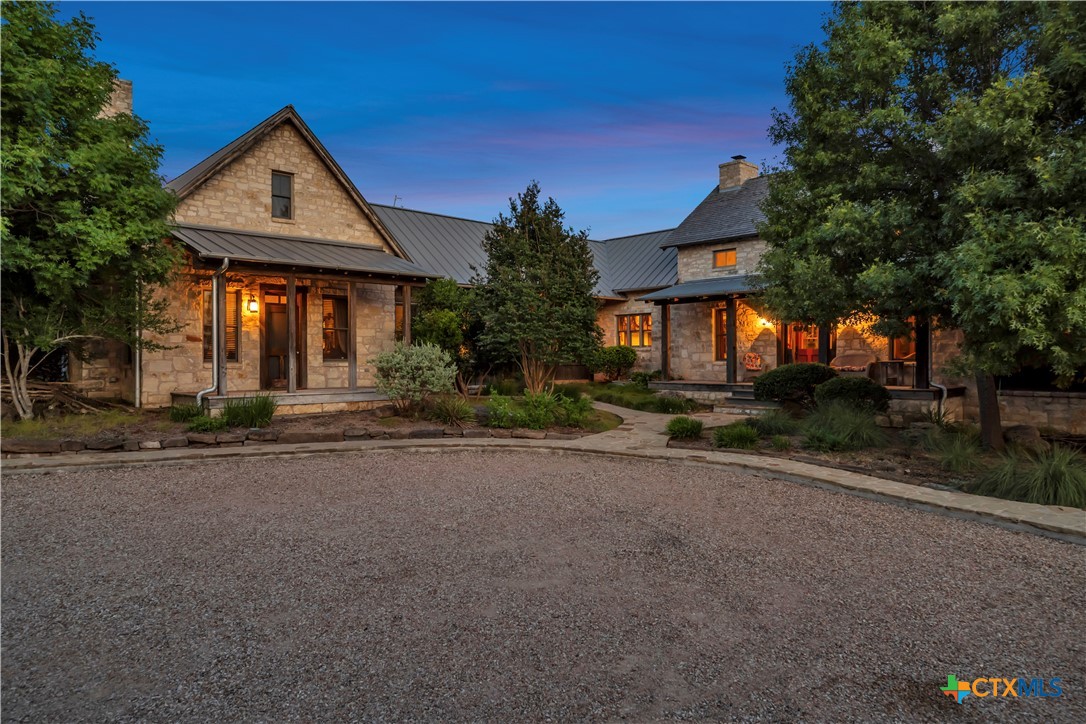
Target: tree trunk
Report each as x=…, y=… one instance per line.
x=991, y=427
x=17, y=372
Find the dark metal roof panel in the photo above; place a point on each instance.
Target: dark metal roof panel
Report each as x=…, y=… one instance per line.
x=728, y=214
x=638, y=262
x=704, y=288
x=216, y=243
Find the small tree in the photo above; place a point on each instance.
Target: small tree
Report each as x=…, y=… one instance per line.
x=84, y=211
x=447, y=317
x=536, y=298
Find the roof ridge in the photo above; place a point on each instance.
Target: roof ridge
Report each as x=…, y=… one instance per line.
x=433, y=213
x=643, y=233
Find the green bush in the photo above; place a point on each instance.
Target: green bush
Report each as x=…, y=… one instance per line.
x=642, y=379
x=684, y=428
x=781, y=443
x=208, y=424
x=499, y=412
x=671, y=405
x=737, y=435
x=774, y=422
x=537, y=411
x=253, y=411
x=573, y=389
x=794, y=383
x=451, y=410
x=957, y=452
x=856, y=391
x=184, y=413
x=1054, y=477
x=507, y=386
x=573, y=410
x=409, y=374
x=614, y=362
x=836, y=426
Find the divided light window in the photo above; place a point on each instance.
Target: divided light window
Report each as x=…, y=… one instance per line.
x=282, y=195
x=720, y=334
x=724, y=258
x=334, y=326
x=233, y=325
x=634, y=330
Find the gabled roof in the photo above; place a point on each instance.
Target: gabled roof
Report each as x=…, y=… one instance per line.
x=451, y=246
x=192, y=179
x=703, y=289
x=323, y=255
x=723, y=215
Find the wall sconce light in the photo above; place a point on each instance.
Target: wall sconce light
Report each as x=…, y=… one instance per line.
x=252, y=304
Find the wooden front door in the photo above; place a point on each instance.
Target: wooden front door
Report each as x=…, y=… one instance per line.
x=804, y=343
x=275, y=341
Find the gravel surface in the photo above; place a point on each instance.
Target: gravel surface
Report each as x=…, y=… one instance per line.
x=514, y=586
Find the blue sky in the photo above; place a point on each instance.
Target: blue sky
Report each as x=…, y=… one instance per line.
x=622, y=111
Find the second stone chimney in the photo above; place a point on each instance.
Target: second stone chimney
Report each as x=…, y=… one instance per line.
x=120, y=100
x=736, y=172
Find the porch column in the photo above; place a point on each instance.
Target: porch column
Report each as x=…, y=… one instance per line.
x=731, y=333
x=824, y=343
x=665, y=340
x=292, y=334
x=406, y=314
x=781, y=331
x=922, y=375
x=220, y=333
x=352, y=336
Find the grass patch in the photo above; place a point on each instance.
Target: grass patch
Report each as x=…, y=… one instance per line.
x=70, y=425
x=208, y=424
x=452, y=410
x=781, y=443
x=774, y=422
x=684, y=428
x=184, y=413
x=738, y=436
x=601, y=421
x=1054, y=477
x=251, y=411
x=837, y=427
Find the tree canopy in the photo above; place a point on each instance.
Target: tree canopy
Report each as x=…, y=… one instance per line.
x=84, y=209
x=447, y=317
x=935, y=167
x=535, y=297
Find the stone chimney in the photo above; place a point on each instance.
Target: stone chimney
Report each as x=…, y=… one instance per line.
x=736, y=172
x=120, y=100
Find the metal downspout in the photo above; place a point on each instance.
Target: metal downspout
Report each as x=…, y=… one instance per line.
x=216, y=282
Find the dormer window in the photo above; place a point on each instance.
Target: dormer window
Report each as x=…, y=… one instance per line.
x=724, y=258
x=282, y=195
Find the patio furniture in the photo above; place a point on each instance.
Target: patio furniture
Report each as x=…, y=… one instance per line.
x=856, y=363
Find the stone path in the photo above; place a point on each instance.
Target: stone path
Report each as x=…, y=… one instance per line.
x=640, y=435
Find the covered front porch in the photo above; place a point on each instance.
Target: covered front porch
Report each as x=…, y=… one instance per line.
x=299, y=318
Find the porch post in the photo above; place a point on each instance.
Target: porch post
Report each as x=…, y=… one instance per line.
x=824, y=343
x=406, y=314
x=729, y=325
x=352, y=336
x=922, y=376
x=220, y=333
x=292, y=334
x=665, y=340
x=782, y=342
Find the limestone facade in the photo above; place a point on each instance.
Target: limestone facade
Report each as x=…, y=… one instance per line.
x=693, y=354
x=239, y=196
x=648, y=358
x=696, y=262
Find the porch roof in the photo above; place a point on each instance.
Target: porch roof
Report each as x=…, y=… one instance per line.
x=703, y=289
x=316, y=254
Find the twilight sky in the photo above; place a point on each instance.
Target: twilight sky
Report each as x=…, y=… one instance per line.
x=622, y=111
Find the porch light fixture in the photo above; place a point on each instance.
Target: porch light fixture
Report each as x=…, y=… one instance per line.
x=252, y=304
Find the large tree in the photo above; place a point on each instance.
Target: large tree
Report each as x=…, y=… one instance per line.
x=446, y=316
x=535, y=297
x=935, y=168
x=84, y=209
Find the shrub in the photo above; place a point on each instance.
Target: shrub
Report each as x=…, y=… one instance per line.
x=856, y=391
x=572, y=389
x=452, y=410
x=1054, y=477
x=774, y=422
x=670, y=405
x=781, y=443
x=409, y=374
x=499, y=411
x=792, y=383
x=507, y=386
x=684, y=428
x=254, y=411
x=642, y=379
x=538, y=411
x=614, y=362
x=737, y=435
x=208, y=424
x=184, y=413
x=573, y=409
x=837, y=426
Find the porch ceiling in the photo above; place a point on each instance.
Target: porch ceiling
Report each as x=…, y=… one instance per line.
x=316, y=254
x=702, y=289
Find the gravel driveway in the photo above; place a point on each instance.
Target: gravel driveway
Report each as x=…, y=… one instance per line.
x=514, y=586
